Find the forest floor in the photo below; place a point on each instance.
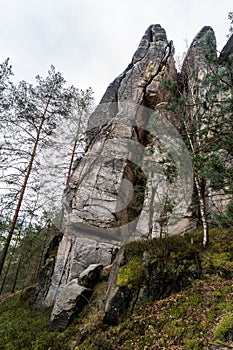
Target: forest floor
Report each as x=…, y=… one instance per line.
x=199, y=317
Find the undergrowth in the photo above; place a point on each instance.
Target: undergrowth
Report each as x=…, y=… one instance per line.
x=195, y=318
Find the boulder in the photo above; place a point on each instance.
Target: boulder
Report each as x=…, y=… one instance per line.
x=145, y=272
x=89, y=277
x=76, y=254
x=70, y=301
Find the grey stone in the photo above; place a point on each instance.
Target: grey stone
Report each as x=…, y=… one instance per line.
x=100, y=187
x=227, y=50
x=117, y=299
x=70, y=301
x=45, y=275
x=98, y=207
x=100, y=199
x=89, y=277
x=205, y=40
x=157, y=280
x=195, y=61
x=75, y=254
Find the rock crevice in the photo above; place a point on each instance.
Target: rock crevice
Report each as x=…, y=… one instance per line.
x=136, y=174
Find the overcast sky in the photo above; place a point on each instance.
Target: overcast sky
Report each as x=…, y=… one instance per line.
x=92, y=41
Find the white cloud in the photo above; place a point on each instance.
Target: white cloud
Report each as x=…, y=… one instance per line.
x=92, y=41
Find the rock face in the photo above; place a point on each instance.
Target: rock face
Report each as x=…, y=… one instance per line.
x=124, y=136
x=227, y=50
x=135, y=179
x=149, y=275
x=97, y=194
x=194, y=69
x=71, y=299
x=46, y=273
x=75, y=255
x=204, y=41
x=73, y=296
x=90, y=276
x=103, y=210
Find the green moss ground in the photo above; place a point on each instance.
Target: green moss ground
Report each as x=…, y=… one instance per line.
x=196, y=318
x=23, y=328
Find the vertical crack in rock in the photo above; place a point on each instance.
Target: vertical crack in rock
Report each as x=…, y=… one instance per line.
x=97, y=181
x=120, y=188
x=108, y=192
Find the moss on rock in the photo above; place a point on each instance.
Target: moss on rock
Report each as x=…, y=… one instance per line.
x=131, y=275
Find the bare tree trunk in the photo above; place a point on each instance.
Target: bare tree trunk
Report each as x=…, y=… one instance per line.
x=17, y=272
x=8, y=267
x=6, y=274
x=62, y=212
x=11, y=257
x=73, y=150
x=29, y=169
x=61, y=221
x=200, y=197
x=71, y=162
x=202, y=212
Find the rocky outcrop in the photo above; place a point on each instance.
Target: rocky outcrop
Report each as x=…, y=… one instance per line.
x=143, y=273
x=200, y=64
x=71, y=300
x=119, y=189
x=75, y=255
x=45, y=275
x=227, y=50
x=114, y=194
x=74, y=296
x=194, y=66
x=135, y=179
x=89, y=277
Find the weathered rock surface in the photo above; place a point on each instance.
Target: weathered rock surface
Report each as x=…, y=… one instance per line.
x=204, y=41
x=75, y=255
x=195, y=68
x=71, y=300
x=46, y=273
x=89, y=277
x=227, y=50
x=117, y=299
x=145, y=276
x=101, y=197
x=101, y=186
x=135, y=177
x=95, y=196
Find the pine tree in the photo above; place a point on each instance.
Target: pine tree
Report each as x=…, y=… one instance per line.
x=61, y=153
x=35, y=113
x=203, y=115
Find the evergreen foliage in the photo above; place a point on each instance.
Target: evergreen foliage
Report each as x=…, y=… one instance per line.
x=198, y=317
x=36, y=121
x=202, y=112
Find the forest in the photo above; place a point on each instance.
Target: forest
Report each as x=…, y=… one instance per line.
x=159, y=290
x=41, y=137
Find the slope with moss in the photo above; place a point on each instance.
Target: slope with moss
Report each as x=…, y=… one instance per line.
x=197, y=317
